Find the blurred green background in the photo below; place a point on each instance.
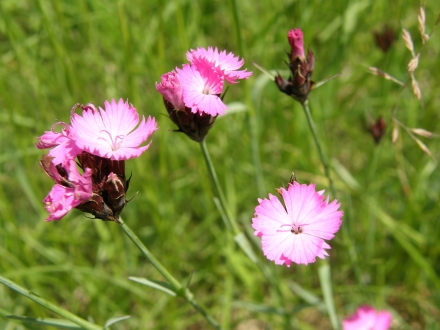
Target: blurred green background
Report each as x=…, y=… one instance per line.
x=54, y=54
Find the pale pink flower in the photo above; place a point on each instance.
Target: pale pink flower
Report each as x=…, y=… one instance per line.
x=296, y=232
x=112, y=133
x=367, y=318
x=202, y=85
x=296, y=41
x=71, y=189
x=171, y=90
x=63, y=144
x=227, y=62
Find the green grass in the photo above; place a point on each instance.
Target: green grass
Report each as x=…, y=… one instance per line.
x=54, y=54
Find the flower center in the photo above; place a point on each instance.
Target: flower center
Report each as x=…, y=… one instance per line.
x=115, y=143
x=294, y=229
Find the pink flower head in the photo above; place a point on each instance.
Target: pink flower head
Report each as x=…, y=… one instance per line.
x=112, y=133
x=64, y=147
x=228, y=63
x=367, y=318
x=296, y=41
x=296, y=232
x=202, y=86
x=69, y=191
x=171, y=90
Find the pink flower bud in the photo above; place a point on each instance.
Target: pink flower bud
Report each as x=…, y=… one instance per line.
x=296, y=41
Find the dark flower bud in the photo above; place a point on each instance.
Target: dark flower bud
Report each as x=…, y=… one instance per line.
x=301, y=67
x=377, y=129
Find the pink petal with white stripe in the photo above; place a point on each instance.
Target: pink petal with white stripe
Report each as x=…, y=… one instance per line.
x=112, y=133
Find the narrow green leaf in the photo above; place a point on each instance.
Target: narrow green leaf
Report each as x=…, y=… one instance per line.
x=244, y=244
x=259, y=308
x=161, y=286
x=114, y=320
x=54, y=308
x=326, y=287
x=61, y=324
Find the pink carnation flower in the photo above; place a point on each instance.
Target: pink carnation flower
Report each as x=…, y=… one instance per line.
x=296, y=41
x=171, y=89
x=64, y=147
x=112, y=133
x=228, y=63
x=367, y=318
x=68, y=192
x=296, y=232
x=202, y=85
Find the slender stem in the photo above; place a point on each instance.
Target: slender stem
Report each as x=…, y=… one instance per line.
x=43, y=302
x=218, y=190
x=318, y=146
x=325, y=270
x=181, y=291
x=239, y=236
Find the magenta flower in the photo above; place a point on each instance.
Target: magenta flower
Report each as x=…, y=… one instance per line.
x=296, y=41
x=202, y=85
x=112, y=133
x=71, y=188
x=228, y=63
x=63, y=144
x=367, y=318
x=171, y=90
x=296, y=232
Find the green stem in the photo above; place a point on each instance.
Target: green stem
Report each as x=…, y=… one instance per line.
x=181, y=291
x=318, y=146
x=239, y=236
x=325, y=270
x=218, y=190
x=43, y=302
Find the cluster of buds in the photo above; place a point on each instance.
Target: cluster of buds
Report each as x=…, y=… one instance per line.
x=301, y=67
x=98, y=142
x=193, y=94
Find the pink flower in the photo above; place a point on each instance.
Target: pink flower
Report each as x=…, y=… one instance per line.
x=296, y=41
x=367, y=318
x=63, y=144
x=112, y=133
x=228, y=63
x=171, y=89
x=202, y=85
x=71, y=188
x=296, y=232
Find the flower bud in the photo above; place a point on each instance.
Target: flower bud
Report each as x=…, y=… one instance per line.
x=377, y=129
x=195, y=125
x=296, y=41
x=301, y=67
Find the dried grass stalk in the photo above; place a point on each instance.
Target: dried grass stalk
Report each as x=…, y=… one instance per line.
x=422, y=132
x=395, y=134
x=408, y=41
x=422, y=21
x=380, y=73
x=422, y=146
x=413, y=64
x=416, y=88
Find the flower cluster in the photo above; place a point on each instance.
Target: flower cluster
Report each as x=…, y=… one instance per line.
x=193, y=94
x=301, y=67
x=99, y=141
x=296, y=231
x=366, y=318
